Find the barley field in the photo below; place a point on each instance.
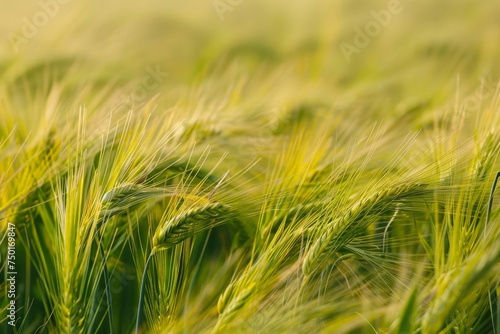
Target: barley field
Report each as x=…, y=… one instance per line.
x=238, y=166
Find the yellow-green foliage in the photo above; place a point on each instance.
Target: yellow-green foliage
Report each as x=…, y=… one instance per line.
x=251, y=166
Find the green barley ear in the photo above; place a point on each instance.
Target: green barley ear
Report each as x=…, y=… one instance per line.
x=487, y=155
x=123, y=197
x=120, y=193
x=114, y=202
x=296, y=213
x=175, y=230
x=188, y=223
x=200, y=215
x=232, y=300
x=334, y=235
x=457, y=285
x=171, y=167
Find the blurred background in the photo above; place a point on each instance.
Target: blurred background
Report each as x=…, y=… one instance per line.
x=291, y=50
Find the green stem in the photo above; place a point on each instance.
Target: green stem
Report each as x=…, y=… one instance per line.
x=493, y=297
x=141, y=294
x=106, y=283
x=490, y=202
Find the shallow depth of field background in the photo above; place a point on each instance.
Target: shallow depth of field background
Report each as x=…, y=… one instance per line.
x=395, y=140
x=418, y=56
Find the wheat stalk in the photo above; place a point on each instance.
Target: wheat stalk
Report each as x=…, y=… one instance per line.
x=301, y=210
x=230, y=302
x=175, y=230
x=458, y=284
x=114, y=202
x=188, y=223
x=488, y=153
x=120, y=198
x=204, y=215
x=335, y=236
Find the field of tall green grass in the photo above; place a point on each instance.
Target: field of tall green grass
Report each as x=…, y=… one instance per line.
x=238, y=166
